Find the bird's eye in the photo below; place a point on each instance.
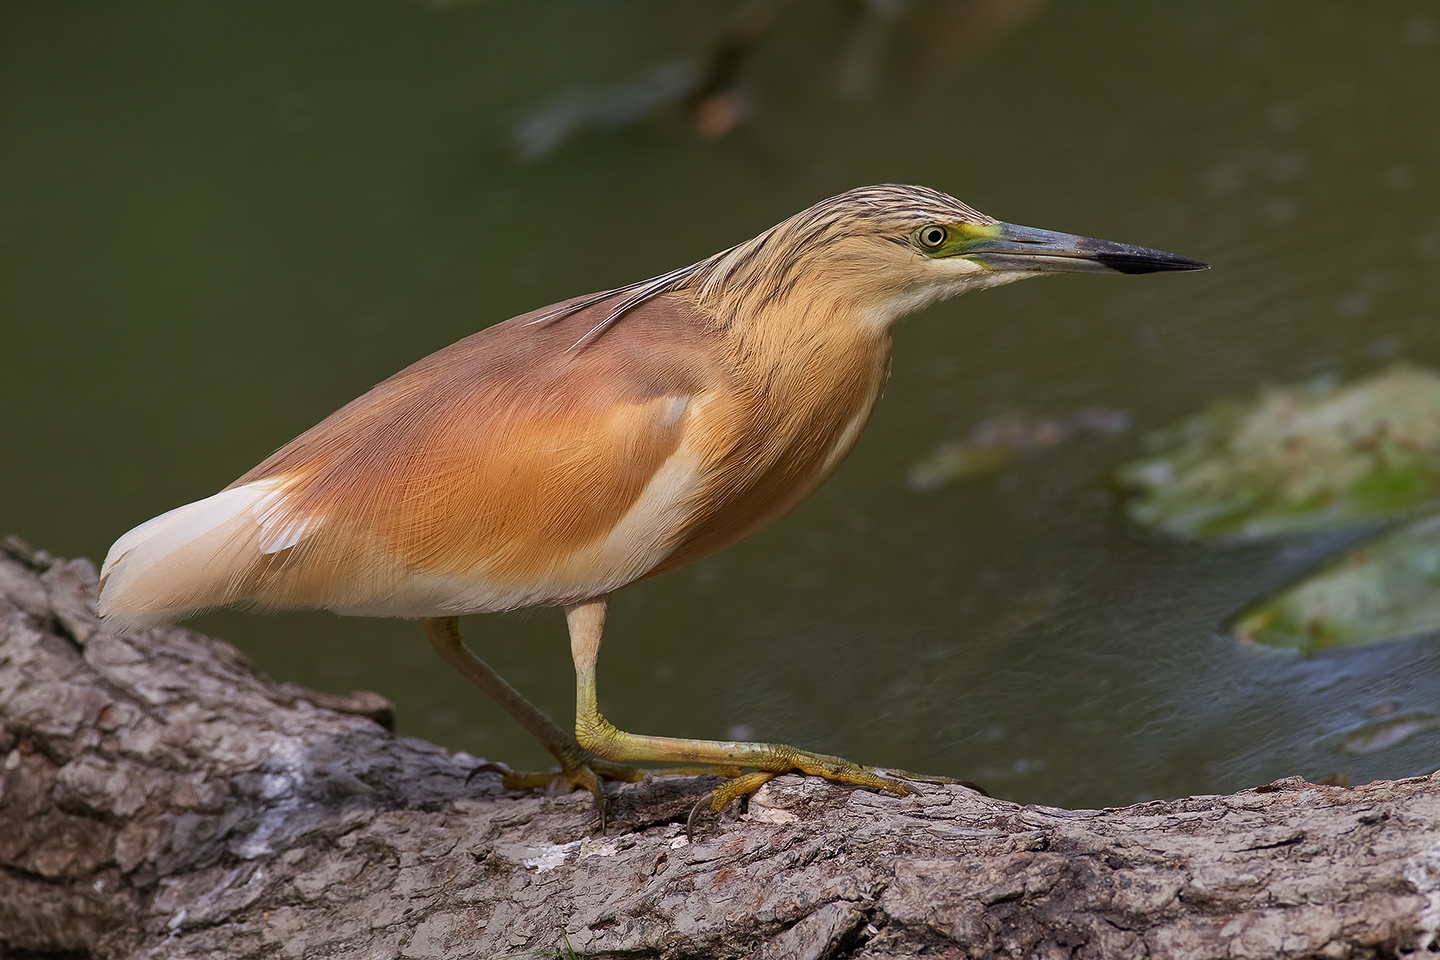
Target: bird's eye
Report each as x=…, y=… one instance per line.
x=932, y=237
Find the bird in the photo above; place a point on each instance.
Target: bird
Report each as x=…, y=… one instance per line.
x=553, y=458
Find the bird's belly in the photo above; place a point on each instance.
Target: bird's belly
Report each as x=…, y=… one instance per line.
x=507, y=578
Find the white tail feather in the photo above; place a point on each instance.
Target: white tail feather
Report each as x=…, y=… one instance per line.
x=196, y=556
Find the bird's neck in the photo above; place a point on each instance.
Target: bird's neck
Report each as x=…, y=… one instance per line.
x=810, y=363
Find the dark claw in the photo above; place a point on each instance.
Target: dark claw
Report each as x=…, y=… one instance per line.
x=488, y=767
x=603, y=804
x=690, y=820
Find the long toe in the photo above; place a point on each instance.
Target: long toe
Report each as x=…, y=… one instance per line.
x=841, y=770
x=738, y=787
x=932, y=778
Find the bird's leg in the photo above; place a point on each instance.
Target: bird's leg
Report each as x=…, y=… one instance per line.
x=578, y=766
x=598, y=735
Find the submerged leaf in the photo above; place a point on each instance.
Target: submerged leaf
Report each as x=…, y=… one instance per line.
x=997, y=443
x=1294, y=459
x=1383, y=590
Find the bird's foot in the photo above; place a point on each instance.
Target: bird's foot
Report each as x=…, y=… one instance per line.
x=582, y=773
x=881, y=778
x=834, y=769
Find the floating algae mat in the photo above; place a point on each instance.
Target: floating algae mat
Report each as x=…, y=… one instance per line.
x=1299, y=459
x=1384, y=589
x=1294, y=459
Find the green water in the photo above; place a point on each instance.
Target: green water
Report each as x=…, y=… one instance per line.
x=220, y=221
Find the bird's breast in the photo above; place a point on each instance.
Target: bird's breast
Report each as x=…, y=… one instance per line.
x=779, y=437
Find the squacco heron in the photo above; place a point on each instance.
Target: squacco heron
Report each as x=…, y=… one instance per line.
x=556, y=457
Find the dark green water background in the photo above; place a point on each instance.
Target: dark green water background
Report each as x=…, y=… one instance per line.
x=219, y=221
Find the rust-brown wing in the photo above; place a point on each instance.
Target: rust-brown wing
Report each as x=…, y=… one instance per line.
x=506, y=470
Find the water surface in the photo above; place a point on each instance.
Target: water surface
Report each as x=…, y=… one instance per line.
x=219, y=221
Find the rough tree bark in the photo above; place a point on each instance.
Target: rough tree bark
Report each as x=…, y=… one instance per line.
x=159, y=799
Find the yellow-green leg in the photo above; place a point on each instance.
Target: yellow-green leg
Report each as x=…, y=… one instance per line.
x=578, y=766
x=599, y=736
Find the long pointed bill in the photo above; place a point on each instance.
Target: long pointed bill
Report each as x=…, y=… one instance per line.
x=1009, y=247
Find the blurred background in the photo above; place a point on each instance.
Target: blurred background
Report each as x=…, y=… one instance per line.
x=219, y=221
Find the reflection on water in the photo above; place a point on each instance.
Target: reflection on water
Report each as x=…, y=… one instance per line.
x=219, y=222
x=1381, y=734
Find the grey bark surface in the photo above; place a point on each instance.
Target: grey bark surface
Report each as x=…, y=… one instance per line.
x=160, y=799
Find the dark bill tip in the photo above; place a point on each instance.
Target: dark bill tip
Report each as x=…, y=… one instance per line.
x=1145, y=260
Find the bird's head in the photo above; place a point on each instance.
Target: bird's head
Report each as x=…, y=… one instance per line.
x=885, y=251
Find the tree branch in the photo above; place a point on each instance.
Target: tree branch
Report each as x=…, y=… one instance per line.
x=158, y=798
